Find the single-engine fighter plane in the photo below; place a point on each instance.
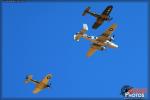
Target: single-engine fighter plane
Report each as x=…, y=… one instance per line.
x=99, y=43
x=100, y=18
x=39, y=85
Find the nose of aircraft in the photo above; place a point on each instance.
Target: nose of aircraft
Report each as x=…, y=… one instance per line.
x=49, y=76
x=110, y=6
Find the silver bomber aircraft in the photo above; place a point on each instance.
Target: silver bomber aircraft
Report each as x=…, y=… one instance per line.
x=98, y=43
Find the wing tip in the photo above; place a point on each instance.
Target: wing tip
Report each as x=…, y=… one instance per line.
x=88, y=55
x=114, y=26
x=34, y=92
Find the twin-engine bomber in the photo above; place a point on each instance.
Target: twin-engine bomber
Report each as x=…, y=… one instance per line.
x=99, y=43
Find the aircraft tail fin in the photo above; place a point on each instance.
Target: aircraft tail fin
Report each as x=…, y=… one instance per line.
x=28, y=78
x=86, y=11
x=80, y=34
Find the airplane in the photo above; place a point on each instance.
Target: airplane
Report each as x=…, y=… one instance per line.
x=100, y=18
x=39, y=85
x=99, y=43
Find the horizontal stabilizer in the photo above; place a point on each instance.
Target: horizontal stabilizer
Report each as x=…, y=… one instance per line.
x=85, y=27
x=86, y=11
x=28, y=78
x=80, y=34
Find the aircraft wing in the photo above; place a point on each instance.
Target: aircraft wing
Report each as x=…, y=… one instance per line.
x=46, y=79
x=97, y=24
x=37, y=89
x=92, y=50
x=108, y=10
x=107, y=33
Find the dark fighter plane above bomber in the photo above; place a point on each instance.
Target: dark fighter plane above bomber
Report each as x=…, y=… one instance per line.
x=40, y=85
x=100, y=18
x=98, y=43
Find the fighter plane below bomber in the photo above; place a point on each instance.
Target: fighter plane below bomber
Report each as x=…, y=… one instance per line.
x=100, y=18
x=99, y=43
x=39, y=85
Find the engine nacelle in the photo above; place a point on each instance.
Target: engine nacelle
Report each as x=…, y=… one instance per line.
x=111, y=45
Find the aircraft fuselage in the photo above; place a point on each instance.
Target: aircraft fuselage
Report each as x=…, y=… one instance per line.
x=101, y=43
x=41, y=85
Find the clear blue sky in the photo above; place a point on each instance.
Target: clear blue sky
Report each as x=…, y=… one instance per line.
x=38, y=39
